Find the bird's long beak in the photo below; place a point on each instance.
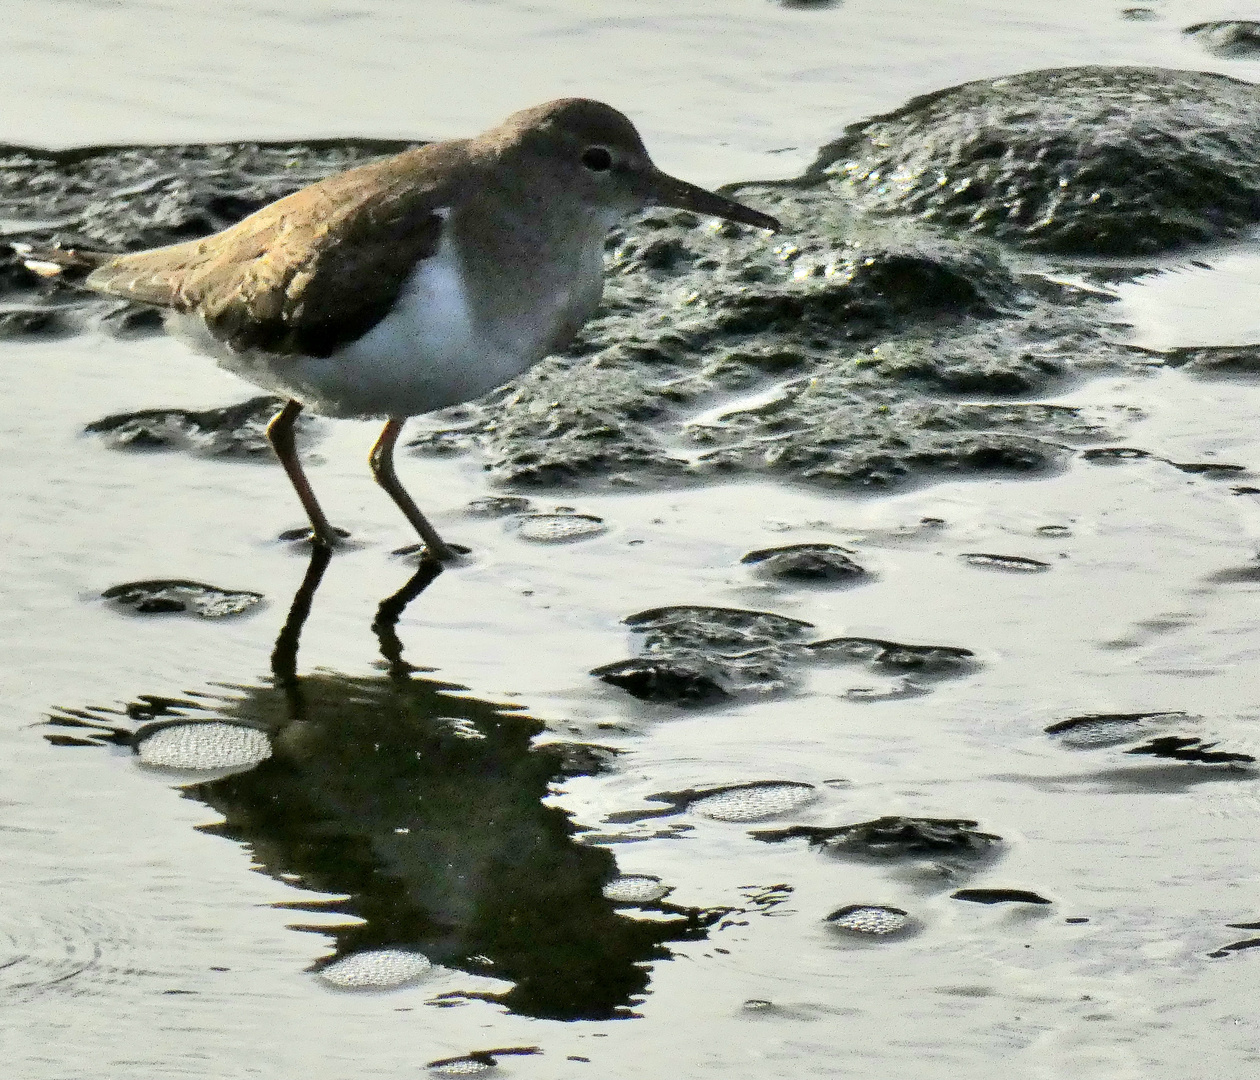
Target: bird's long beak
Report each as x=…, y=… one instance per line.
x=666, y=190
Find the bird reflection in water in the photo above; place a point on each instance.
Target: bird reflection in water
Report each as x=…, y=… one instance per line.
x=423, y=808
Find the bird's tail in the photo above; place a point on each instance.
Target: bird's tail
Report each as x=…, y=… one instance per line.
x=69, y=263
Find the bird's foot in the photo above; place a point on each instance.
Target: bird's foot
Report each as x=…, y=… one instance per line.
x=329, y=539
x=448, y=554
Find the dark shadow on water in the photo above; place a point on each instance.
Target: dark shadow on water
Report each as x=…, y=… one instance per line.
x=423, y=807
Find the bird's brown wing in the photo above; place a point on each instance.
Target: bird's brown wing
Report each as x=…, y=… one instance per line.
x=309, y=272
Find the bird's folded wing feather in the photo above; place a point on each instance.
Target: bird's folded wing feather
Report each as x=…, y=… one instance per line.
x=310, y=272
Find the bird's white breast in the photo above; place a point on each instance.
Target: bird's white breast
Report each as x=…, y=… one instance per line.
x=437, y=346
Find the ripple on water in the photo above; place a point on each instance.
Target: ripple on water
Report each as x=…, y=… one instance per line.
x=204, y=745
x=42, y=951
x=376, y=969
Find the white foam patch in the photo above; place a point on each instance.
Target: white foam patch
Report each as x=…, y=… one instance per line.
x=377, y=969
x=755, y=802
x=559, y=528
x=875, y=921
x=635, y=889
x=205, y=745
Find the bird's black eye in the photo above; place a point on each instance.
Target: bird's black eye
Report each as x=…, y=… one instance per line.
x=597, y=159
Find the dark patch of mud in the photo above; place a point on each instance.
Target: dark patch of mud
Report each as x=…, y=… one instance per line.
x=694, y=655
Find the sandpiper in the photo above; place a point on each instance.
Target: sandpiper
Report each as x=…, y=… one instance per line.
x=412, y=283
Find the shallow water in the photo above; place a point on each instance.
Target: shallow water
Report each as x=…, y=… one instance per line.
x=136, y=942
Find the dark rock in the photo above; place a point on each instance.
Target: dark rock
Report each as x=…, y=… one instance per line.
x=1227, y=37
x=999, y=896
x=206, y=601
x=806, y=562
x=893, y=837
x=1082, y=160
x=232, y=431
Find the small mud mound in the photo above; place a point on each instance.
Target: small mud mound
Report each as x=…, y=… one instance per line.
x=174, y=596
x=894, y=837
x=1082, y=160
x=232, y=431
x=808, y=563
x=696, y=655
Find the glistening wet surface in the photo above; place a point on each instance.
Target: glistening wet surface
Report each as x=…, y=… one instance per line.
x=983, y=809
